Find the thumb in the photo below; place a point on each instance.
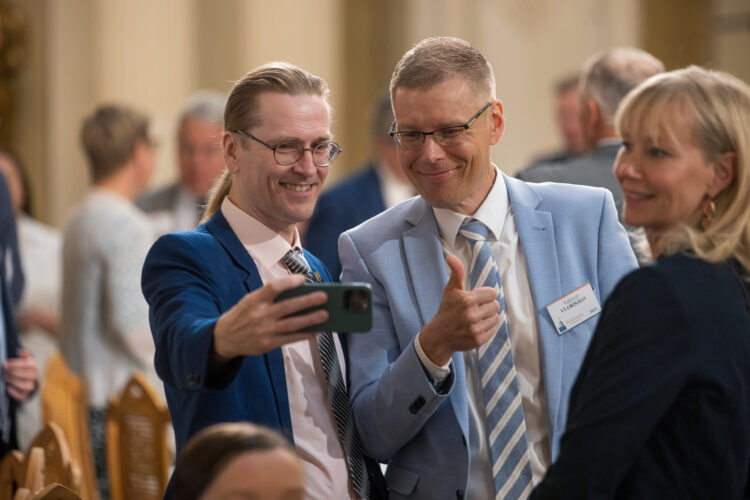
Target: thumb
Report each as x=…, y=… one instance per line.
x=456, y=279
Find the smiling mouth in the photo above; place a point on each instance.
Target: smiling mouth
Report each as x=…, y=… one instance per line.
x=297, y=187
x=637, y=196
x=436, y=174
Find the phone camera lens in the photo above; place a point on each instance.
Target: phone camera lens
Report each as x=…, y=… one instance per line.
x=356, y=300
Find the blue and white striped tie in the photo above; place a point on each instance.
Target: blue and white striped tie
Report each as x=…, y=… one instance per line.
x=342, y=412
x=506, y=428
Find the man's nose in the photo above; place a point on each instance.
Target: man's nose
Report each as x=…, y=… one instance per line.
x=431, y=149
x=305, y=163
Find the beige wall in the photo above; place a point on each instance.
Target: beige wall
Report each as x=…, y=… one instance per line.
x=154, y=54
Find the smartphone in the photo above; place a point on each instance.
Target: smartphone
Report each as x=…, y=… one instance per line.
x=349, y=306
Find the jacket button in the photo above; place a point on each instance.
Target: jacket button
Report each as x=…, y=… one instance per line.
x=459, y=494
x=193, y=379
x=416, y=405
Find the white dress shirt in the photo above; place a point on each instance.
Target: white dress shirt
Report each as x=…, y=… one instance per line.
x=313, y=423
x=496, y=213
x=394, y=190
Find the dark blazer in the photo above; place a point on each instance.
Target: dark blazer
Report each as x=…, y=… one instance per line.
x=189, y=279
x=661, y=407
x=159, y=200
x=342, y=207
x=11, y=281
x=593, y=169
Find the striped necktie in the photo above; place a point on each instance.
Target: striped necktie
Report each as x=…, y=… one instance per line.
x=342, y=412
x=506, y=429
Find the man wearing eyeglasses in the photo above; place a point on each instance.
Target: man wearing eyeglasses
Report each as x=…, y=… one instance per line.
x=225, y=348
x=462, y=385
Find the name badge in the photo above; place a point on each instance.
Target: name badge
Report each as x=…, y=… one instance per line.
x=574, y=308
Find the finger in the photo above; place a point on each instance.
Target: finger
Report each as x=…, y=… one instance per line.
x=301, y=323
x=20, y=364
x=295, y=304
x=487, y=327
x=482, y=295
x=269, y=291
x=17, y=393
x=23, y=353
x=20, y=384
x=456, y=279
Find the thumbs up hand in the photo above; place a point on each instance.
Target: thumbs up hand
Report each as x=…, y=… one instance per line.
x=465, y=319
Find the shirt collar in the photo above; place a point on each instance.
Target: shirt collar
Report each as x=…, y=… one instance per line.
x=265, y=245
x=491, y=213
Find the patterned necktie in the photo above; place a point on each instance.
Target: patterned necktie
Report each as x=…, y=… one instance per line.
x=342, y=412
x=506, y=429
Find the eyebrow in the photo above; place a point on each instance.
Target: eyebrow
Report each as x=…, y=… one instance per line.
x=288, y=138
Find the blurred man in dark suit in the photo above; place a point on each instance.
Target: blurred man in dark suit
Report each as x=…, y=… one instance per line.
x=607, y=77
x=178, y=206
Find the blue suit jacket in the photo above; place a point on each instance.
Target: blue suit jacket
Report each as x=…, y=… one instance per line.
x=342, y=207
x=189, y=280
x=569, y=235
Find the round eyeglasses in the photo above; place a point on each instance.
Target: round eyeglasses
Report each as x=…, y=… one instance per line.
x=446, y=137
x=289, y=152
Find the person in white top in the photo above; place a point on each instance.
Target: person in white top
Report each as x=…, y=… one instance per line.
x=462, y=385
x=225, y=349
x=104, y=332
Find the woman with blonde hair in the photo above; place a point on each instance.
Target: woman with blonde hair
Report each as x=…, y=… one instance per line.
x=661, y=406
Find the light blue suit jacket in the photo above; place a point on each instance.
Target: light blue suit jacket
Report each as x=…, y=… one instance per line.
x=569, y=235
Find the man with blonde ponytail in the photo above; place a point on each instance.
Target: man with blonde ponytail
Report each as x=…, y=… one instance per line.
x=225, y=349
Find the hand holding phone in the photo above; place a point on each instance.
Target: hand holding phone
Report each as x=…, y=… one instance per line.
x=349, y=305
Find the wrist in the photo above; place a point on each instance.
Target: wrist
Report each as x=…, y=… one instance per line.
x=433, y=348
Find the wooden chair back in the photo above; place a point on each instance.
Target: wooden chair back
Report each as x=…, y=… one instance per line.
x=19, y=472
x=138, y=457
x=56, y=491
x=59, y=466
x=63, y=397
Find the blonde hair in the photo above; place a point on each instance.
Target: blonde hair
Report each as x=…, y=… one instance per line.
x=242, y=107
x=436, y=59
x=716, y=106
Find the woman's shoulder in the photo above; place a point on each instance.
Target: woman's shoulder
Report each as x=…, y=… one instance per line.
x=685, y=279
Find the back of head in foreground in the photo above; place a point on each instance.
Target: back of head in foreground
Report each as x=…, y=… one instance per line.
x=239, y=459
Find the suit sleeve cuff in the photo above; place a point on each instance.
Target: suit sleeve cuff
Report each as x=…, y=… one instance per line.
x=438, y=374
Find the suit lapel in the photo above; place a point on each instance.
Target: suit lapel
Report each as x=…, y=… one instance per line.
x=274, y=359
x=536, y=233
x=425, y=265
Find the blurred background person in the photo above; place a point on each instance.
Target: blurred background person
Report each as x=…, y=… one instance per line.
x=179, y=206
x=19, y=371
x=607, y=77
x=660, y=407
x=104, y=334
x=238, y=460
x=38, y=312
x=567, y=119
x=377, y=185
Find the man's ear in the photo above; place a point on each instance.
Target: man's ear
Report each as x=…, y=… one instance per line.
x=725, y=171
x=498, y=121
x=230, y=144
